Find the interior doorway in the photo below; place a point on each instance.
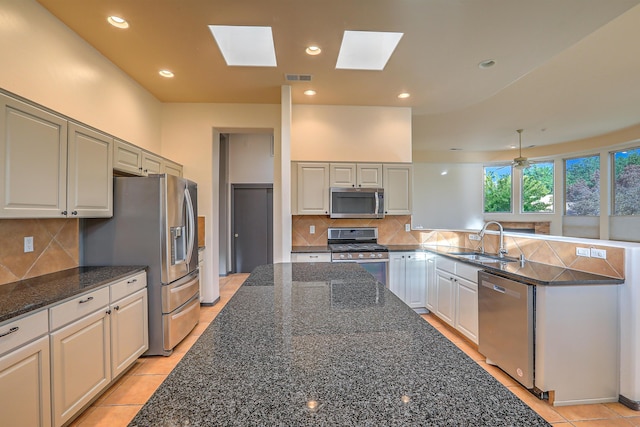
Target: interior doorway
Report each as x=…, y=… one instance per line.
x=251, y=226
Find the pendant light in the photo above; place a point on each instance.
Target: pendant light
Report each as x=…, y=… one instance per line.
x=520, y=162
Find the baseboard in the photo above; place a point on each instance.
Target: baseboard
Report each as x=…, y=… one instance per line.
x=210, y=304
x=633, y=404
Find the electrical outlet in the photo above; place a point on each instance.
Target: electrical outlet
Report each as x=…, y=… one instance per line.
x=475, y=237
x=28, y=244
x=407, y=227
x=312, y=229
x=598, y=253
x=583, y=252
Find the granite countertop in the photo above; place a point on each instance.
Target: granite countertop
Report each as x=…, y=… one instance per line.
x=324, y=344
x=532, y=273
x=308, y=249
x=28, y=295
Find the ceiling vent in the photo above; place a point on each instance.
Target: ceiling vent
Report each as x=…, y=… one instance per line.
x=297, y=77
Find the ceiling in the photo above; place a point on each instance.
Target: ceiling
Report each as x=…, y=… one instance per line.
x=565, y=69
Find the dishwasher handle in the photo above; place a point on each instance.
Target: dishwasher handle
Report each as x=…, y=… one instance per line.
x=499, y=289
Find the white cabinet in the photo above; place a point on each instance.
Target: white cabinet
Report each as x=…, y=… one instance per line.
x=431, y=283
x=311, y=257
x=90, y=173
x=151, y=164
x=129, y=331
x=408, y=276
x=313, y=188
x=355, y=175
x=201, y=271
x=398, y=185
x=171, y=168
x=52, y=168
x=127, y=157
x=25, y=384
x=456, y=296
x=80, y=364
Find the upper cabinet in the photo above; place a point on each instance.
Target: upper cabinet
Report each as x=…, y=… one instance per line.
x=51, y=168
x=398, y=186
x=355, y=175
x=313, y=188
x=134, y=160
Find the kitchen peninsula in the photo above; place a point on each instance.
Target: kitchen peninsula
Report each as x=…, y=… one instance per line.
x=325, y=344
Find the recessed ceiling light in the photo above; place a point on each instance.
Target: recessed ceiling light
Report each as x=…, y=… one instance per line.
x=366, y=50
x=313, y=50
x=117, y=22
x=404, y=95
x=487, y=64
x=309, y=92
x=166, y=73
x=245, y=46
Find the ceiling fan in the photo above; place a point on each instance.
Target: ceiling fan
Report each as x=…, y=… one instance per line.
x=520, y=162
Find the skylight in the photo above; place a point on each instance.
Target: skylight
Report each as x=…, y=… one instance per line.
x=366, y=50
x=245, y=46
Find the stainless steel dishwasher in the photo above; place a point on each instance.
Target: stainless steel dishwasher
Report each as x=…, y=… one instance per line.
x=506, y=325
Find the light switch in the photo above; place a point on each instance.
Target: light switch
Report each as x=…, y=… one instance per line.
x=312, y=229
x=28, y=244
x=583, y=252
x=407, y=227
x=598, y=253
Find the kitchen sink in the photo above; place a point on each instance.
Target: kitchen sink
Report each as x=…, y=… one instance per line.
x=474, y=256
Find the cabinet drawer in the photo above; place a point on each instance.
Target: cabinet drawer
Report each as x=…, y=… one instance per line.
x=78, y=307
x=128, y=286
x=467, y=271
x=15, y=333
x=311, y=257
x=446, y=264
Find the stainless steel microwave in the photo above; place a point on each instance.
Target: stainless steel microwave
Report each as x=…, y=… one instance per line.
x=356, y=202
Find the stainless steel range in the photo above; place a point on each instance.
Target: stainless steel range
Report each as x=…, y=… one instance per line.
x=360, y=245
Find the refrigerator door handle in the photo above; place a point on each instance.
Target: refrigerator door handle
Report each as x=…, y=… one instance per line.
x=190, y=225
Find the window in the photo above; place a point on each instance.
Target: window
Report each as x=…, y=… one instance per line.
x=626, y=185
x=497, y=188
x=537, y=187
x=582, y=186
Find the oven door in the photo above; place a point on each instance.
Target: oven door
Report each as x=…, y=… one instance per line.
x=376, y=267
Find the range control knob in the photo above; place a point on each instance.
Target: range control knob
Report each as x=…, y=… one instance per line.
x=360, y=255
x=372, y=255
x=341, y=256
x=349, y=256
x=379, y=255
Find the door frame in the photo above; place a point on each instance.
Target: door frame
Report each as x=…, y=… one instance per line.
x=265, y=186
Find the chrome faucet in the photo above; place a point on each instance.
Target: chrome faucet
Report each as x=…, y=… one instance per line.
x=502, y=251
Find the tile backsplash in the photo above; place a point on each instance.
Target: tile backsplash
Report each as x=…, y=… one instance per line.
x=55, y=244
x=391, y=231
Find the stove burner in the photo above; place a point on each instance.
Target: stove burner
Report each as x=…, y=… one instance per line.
x=357, y=247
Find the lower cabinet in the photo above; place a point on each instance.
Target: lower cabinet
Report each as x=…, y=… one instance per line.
x=408, y=277
x=310, y=257
x=129, y=326
x=81, y=363
x=455, y=297
x=25, y=387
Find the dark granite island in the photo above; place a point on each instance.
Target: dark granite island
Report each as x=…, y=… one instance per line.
x=326, y=345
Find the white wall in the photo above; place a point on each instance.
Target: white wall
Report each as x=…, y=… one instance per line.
x=45, y=62
x=348, y=133
x=449, y=201
x=250, y=158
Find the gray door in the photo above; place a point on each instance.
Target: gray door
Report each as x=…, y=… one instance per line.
x=252, y=226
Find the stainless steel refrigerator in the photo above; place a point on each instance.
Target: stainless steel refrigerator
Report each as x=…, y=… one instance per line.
x=154, y=224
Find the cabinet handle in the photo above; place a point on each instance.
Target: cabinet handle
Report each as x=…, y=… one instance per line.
x=313, y=256
x=74, y=213
x=117, y=307
x=131, y=281
x=82, y=301
x=108, y=312
x=64, y=213
x=10, y=331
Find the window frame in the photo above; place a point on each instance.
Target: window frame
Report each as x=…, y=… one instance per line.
x=511, y=196
x=553, y=190
x=564, y=184
x=612, y=184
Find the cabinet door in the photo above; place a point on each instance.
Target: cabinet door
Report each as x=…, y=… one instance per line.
x=397, y=264
x=369, y=175
x=90, y=175
x=127, y=157
x=313, y=188
x=432, y=299
x=25, y=386
x=151, y=164
x=311, y=257
x=172, y=168
x=445, y=294
x=416, y=278
x=80, y=364
x=467, y=309
x=397, y=181
x=342, y=175
x=129, y=331
x=33, y=161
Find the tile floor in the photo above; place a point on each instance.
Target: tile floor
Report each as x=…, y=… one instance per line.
x=120, y=403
